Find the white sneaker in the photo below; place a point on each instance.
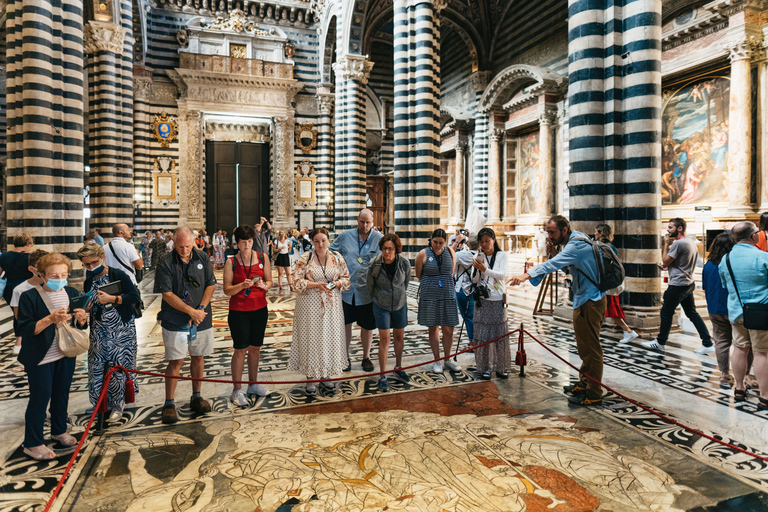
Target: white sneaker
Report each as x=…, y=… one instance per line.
x=628, y=336
x=16, y=349
x=453, y=365
x=117, y=413
x=258, y=389
x=437, y=367
x=238, y=398
x=705, y=350
x=653, y=345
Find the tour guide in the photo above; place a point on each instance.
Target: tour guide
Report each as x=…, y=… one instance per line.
x=588, y=303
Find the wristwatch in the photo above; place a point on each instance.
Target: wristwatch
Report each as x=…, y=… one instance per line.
x=201, y=307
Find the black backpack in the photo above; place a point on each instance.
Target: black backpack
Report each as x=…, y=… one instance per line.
x=610, y=271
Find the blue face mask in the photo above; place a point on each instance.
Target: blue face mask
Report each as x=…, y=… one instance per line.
x=56, y=284
x=94, y=272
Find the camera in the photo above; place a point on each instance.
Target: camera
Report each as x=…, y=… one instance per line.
x=464, y=232
x=330, y=286
x=481, y=292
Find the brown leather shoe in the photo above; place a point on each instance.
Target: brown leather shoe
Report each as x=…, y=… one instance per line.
x=169, y=415
x=200, y=405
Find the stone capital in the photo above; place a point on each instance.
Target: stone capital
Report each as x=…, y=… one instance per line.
x=461, y=146
x=103, y=36
x=479, y=80
x=496, y=134
x=439, y=5
x=546, y=118
x=353, y=67
x=325, y=103
x=745, y=49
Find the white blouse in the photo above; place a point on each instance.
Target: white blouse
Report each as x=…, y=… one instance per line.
x=494, y=276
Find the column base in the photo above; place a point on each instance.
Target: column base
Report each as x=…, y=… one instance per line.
x=740, y=212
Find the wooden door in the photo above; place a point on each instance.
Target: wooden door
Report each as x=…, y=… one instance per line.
x=376, y=190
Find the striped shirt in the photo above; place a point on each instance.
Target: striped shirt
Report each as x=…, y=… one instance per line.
x=60, y=300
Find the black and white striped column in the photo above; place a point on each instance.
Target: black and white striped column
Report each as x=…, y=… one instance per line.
x=614, y=108
x=417, y=121
x=352, y=72
x=324, y=188
x=142, y=160
x=110, y=120
x=45, y=122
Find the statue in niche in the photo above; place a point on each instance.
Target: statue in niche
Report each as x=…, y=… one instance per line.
x=269, y=11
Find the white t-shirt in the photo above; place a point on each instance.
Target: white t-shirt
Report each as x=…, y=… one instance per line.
x=126, y=252
x=284, y=248
x=18, y=291
x=60, y=300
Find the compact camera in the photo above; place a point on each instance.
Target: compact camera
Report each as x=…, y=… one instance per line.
x=481, y=292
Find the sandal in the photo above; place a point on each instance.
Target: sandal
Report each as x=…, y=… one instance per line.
x=762, y=404
x=65, y=439
x=740, y=395
x=48, y=454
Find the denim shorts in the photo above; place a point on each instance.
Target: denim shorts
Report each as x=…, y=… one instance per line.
x=386, y=319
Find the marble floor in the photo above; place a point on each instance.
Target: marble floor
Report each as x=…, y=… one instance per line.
x=438, y=442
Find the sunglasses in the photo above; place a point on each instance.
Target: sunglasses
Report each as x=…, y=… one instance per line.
x=192, y=281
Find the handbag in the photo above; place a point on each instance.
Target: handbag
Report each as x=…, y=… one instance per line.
x=3, y=282
x=72, y=342
x=755, y=313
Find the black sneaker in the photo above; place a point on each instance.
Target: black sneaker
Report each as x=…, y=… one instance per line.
x=348, y=368
x=367, y=365
x=502, y=375
x=575, y=388
x=584, y=399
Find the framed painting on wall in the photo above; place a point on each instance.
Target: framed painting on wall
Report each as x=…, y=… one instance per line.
x=164, y=186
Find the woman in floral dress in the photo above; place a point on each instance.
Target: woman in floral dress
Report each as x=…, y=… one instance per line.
x=319, y=348
x=219, y=249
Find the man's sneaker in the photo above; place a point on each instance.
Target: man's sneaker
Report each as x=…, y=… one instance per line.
x=653, y=345
x=311, y=389
x=402, y=375
x=258, y=389
x=169, y=415
x=238, y=398
x=452, y=365
x=575, y=388
x=348, y=368
x=628, y=336
x=200, y=405
x=705, y=350
x=117, y=412
x=584, y=399
x=16, y=349
x=367, y=365
x=383, y=384
x=437, y=367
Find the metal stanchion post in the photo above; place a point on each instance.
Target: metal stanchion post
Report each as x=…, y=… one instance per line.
x=520, y=358
x=107, y=366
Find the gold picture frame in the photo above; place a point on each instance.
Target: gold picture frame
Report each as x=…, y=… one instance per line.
x=306, y=137
x=305, y=189
x=165, y=129
x=164, y=188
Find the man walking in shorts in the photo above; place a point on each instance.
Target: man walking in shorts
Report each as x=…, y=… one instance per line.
x=185, y=278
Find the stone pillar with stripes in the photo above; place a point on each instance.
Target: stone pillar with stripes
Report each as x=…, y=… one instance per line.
x=479, y=81
x=614, y=138
x=352, y=72
x=110, y=121
x=142, y=161
x=44, y=54
x=325, y=136
x=417, y=120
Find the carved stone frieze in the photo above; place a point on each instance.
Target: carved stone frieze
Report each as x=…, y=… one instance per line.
x=142, y=88
x=102, y=36
x=190, y=163
x=353, y=67
x=284, y=192
x=237, y=22
x=164, y=94
x=306, y=105
x=234, y=132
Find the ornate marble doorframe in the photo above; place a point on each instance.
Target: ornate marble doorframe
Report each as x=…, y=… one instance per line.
x=204, y=91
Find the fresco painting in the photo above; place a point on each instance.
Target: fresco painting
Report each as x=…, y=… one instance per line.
x=530, y=185
x=695, y=142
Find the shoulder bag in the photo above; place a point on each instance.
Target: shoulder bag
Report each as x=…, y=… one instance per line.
x=755, y=313
x=138, y=308
x=72, y=341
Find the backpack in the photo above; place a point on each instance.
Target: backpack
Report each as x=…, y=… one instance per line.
x=610, y=271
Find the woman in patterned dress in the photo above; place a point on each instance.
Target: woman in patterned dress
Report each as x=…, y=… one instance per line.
x=113, y=332
x=437, y=301
x=219, y=249
x=490, y=316
x=144, y=248
x=319, y=347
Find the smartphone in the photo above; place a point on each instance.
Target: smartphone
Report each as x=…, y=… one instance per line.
x=192, y=332
x=330, y=286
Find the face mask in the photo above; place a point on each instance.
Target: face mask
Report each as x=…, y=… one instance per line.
x=56, y=284
x=94, y=272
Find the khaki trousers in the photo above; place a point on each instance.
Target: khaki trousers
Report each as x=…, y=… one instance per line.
x=587, y=321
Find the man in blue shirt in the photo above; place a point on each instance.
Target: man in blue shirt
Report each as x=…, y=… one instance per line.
x=750, y=272
x=99, y=240
x=358, y=246
x=588, y=303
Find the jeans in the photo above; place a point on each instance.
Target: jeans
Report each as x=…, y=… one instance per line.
x=681, y=296
x=47, y=383
x=467, y=310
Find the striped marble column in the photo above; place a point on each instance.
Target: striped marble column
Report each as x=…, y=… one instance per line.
x=110, y=124
x=325, y=135
x=417, y=121
x=44, y=54
x=479, y=81
x=352, y=72
x=142, y=161
x=615, y=136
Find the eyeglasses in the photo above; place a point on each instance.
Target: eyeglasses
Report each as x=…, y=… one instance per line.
x=91, y=264
x=57, y=276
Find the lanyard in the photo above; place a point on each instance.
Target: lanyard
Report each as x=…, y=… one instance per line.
x=322, y=266
x=360, y=246
x=493, y=261
x=250, y=265
x=439, y=261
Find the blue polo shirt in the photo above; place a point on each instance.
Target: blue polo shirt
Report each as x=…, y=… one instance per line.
x=351, y=248
x=750, y=269
x=576, y=255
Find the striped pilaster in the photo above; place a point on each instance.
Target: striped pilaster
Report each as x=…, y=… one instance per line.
x=142, y=161
x=45, y=122
x=417, y=122
x=110, y=120
x=325, y=136
x=614, y=131
x=352, y=72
